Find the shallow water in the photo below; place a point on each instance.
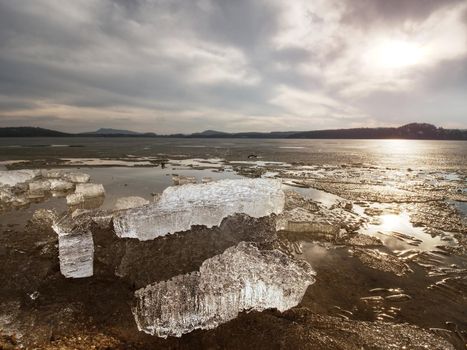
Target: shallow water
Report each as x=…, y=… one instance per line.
x=328, y=199
x=461, y=206
x=121, y=182
x=400, y=153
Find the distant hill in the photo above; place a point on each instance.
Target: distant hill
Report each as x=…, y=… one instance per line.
x=109, y=131
x=250, y=135
x=421, y=131
x=26, y=131
x=209, y=133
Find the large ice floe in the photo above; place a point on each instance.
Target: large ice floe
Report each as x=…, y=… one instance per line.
x=181, y=207
x=241, y=278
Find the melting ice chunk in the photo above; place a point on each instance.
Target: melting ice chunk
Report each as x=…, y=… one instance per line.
x=75, y=248
x=183, y=180
x=181, y=207
x=14, y=177
x=39, y=187
x=90, y=190
x=241, y=278
x=76, y=254
x=77, y=177
x=74, y=199
x=60, y=185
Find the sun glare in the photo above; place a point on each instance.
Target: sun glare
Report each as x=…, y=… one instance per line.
x=396, y=54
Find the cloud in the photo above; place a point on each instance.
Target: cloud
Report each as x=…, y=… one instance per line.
x=183, y=66
x=369, y=12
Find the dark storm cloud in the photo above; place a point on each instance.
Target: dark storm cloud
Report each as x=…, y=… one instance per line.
x=180, y=65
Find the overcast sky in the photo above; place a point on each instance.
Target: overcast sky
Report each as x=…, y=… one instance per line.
x=234, y=65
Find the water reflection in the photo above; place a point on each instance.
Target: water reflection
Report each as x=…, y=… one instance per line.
x=398, y=233
x=394, y=147
x=323, y=197
x=461, y=207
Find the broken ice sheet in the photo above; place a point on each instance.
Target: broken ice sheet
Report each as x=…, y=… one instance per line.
x=241, y=278
x=315, y=220
x=181, y=207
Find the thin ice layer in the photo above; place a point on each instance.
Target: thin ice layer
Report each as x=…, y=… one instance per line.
x=241, y=278
x=181, y=207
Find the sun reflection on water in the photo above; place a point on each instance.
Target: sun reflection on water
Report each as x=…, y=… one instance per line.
x=391, y=222
x=397, y=232
x=395, y=146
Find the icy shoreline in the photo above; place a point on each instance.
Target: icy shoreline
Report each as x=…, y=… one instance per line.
x=348, y=238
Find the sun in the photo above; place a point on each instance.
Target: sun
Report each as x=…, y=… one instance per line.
x=396, y=54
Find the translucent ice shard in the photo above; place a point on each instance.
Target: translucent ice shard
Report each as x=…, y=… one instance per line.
x=183, y=180
x=77, y=177
x=60, y=185
x=39, y=187
x=76, y=255
x=74, y=199
x=53, y=173
x=181, y=207
x=75, y=247
x=241, y=278
x=90, y=190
